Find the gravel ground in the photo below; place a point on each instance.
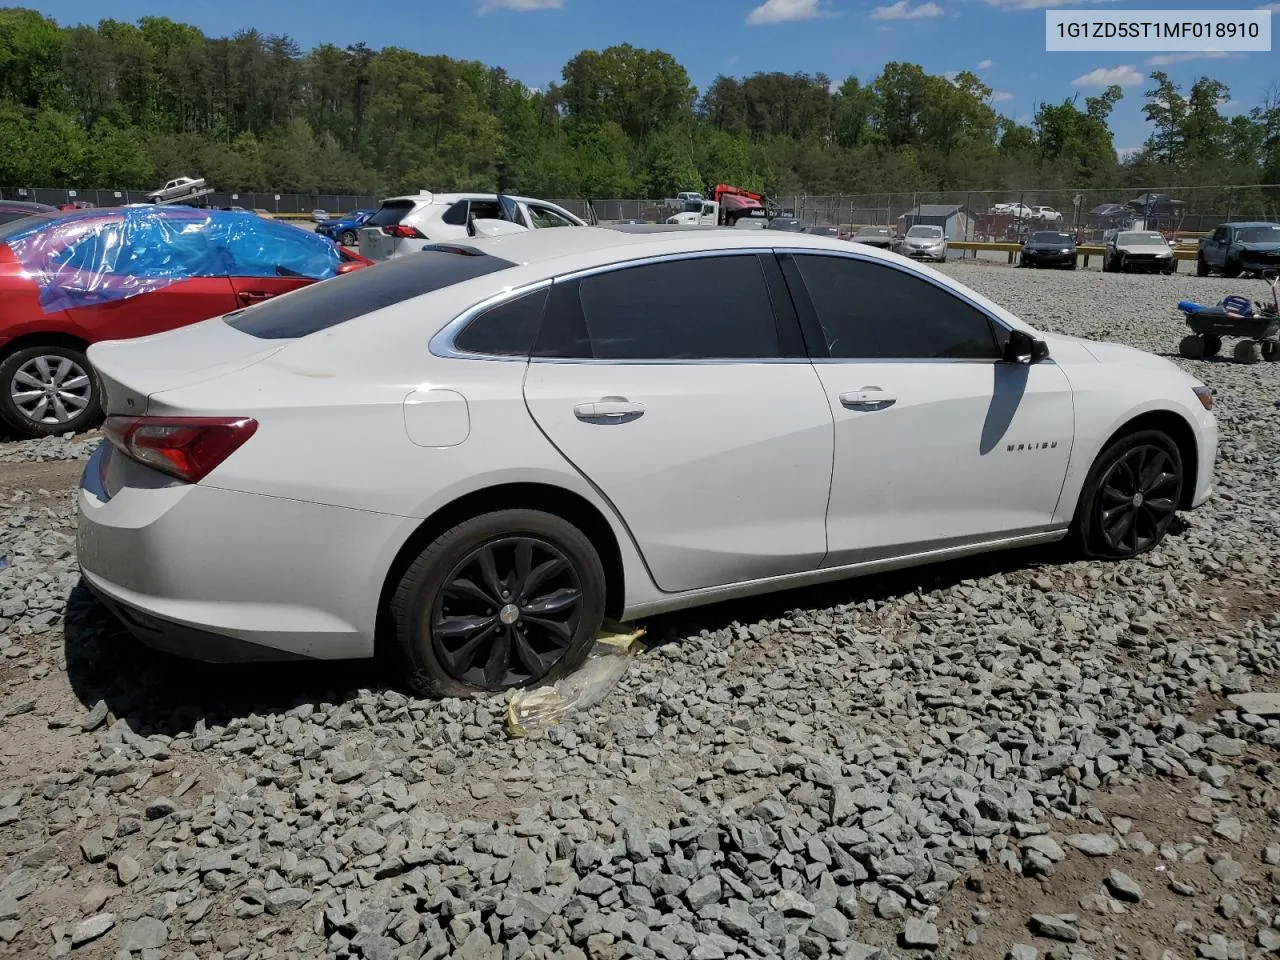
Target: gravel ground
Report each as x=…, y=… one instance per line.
x=1013, y=756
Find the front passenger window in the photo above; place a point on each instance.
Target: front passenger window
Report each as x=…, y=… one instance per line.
x=870, y=311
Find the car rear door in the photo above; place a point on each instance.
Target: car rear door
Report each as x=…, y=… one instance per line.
x=676, y=389
x=938, y=443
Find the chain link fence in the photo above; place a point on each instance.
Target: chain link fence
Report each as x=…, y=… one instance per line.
x=292, y=203
x=963, y=214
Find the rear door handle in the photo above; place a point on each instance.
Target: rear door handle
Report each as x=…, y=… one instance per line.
x=254, y=296
x=609, y=410
x=868, y=398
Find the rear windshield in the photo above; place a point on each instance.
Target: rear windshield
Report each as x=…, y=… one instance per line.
x=390, y=213
x=1051, y=238
x=331, y=302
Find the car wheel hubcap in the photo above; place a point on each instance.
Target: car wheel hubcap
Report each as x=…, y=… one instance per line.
x=51, y=389
x=1139, y=497
x=507, y=613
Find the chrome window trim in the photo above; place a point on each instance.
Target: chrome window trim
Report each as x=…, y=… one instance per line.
x=442, y=344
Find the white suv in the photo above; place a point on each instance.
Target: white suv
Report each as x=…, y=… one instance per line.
x=403, y=224
x=1046, y=214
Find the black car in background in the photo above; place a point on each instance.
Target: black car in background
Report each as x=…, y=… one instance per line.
x=1049, y=248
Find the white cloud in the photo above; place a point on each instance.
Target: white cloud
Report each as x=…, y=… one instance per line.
x=1022, y=118
x=1124, y=153
x=1273, y=7
x=1040, y=4
x=951, y=75
x=986, y=64
x=520, y=6
x=1165, y=59
x=779, y=11
x=902, y=10
x=1125, y=76
x=1001, y=96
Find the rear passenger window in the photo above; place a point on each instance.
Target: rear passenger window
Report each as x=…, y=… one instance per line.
x=504, y=330
x=869, y=311
x=456, y=216
x=703, y=308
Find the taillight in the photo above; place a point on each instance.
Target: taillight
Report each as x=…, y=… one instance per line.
x=403, y=232
x=188, y=448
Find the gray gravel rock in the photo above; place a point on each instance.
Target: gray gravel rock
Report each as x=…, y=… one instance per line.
x=1094, y=844
x=1123, y=887
x=1054, y=927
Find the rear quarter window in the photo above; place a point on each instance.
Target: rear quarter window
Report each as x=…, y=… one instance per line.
x=331, y=302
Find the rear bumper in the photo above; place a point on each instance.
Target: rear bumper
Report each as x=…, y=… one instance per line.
x=218, y=575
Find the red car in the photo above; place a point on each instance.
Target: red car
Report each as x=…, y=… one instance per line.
x=69, y=280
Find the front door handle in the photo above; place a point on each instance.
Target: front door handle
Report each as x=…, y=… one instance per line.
x=254, y=296
x=609, y=410
x=868, y=398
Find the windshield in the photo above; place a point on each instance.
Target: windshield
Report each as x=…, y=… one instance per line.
x=785, y=224
x=1049, y=237
x=1140, y=237
x=925, y=231
x=825, y=230
x=1268, y=233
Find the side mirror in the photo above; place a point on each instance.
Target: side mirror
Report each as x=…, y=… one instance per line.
x=1024, y=348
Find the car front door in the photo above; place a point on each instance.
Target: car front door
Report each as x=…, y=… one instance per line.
x=111, y=288
x=675, y=388
x=938, y=443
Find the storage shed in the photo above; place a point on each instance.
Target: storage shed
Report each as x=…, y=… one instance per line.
x=951, y=217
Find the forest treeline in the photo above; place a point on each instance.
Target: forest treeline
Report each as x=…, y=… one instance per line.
x=127, y=105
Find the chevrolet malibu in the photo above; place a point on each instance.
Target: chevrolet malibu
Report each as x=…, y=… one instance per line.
x=473, y=455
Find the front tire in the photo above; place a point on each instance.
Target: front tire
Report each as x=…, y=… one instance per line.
x=504, y=600
x=1202, y=267
x=48, y=390
x=1130, y=497
x=1231, y=269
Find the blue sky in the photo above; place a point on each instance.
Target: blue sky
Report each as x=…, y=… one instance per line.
x=1001, y=40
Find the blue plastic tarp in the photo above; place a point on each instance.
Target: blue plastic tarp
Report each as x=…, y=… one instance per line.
x=101, y=255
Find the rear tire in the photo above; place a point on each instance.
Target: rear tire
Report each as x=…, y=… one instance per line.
x=348, y=238
x=1192, y=347
x=48, y=390
x=1270, y=351
x=1248, y=351
x=1212, y=344
x=457, y=633
x=1130, y=497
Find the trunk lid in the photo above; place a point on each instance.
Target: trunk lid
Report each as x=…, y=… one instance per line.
x=132, y=371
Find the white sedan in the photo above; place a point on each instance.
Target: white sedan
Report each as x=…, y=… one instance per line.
x=473, y=455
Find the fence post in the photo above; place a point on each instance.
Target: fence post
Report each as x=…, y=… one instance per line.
x=1230, y=198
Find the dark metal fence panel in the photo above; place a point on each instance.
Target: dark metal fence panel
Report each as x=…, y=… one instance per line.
x=986, y=214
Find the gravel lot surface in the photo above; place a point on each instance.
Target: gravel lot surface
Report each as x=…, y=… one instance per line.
x=1013, y=756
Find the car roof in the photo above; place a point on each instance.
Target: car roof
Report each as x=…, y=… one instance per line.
x=433, y=198
x=602, y=245
x=1254, y=223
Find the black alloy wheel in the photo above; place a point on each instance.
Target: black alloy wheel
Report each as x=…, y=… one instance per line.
x=506, y=614
x=1138, y=496
x=506, y=599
